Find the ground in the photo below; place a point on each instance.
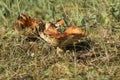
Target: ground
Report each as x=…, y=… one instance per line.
x=96, y=57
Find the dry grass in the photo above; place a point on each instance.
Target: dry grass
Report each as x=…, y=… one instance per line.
x=96, y=57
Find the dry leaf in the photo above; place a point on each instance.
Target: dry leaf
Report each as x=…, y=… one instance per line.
x=60, y=22
x=25, y=21
x=25, y=25
x=74, y=30
x=51, y=40
x=51, y=30
x=70, y=36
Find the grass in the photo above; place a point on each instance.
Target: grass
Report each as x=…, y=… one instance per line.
x=95, y=58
